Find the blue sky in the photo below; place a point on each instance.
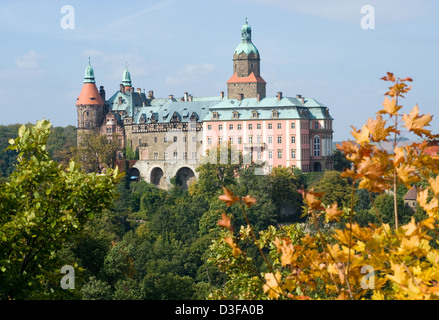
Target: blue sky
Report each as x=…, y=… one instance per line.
x=316, y=48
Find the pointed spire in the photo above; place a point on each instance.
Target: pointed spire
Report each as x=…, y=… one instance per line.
x=126, y=78
x=89, y=76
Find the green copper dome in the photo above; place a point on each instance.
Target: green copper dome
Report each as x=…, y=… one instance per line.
x=89, y=76
x=126, y=78
x=246, y=44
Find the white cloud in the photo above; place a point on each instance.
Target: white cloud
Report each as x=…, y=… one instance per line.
x=389, y=11
x=191, y=72
x=29, y=60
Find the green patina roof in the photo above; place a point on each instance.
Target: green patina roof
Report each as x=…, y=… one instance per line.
x=246, y=44
x=89, y=76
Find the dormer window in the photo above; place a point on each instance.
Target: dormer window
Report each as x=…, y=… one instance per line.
x=274, y=114
x=235, y=115
x=254, y=114
x=215, y=115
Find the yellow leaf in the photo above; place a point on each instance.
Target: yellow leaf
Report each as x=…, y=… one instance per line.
x=390, y=107
x=361, y=136
x=434, y=184
x=377, y=129
x=271, y=285
x=416, y=123
x=332, y=213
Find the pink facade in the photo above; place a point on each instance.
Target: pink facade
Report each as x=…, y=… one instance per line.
x=277, y=142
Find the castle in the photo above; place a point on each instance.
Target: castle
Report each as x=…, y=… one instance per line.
x=173, y=134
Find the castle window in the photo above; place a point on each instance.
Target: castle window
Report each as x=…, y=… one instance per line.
x=230, y=126
x=215, y=115
x=250, y=126
x=293, y=139
x=258, y=126
x=279, y=125
x=155, y=139
x=316, y=146
x=270, y=140
x=293, y=154
x=239, y=126
x=270, y=154
x=270, y=126
x=293, y=125
x=279, y=139
x=239, y=140
x=209, y=140
x=316, y=125
x=254, y=114
x=156, y=155
x=274, y=114
x=175, y=139
x=209, y=127
x=235, y=115
x=279, y=154
x=220, y=127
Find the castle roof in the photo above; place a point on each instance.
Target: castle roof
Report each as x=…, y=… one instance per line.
x=250, y=78
x=246, y=45
x=89, y=94
x=412, y=194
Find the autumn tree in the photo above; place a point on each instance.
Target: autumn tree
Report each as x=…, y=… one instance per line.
x=352, y=262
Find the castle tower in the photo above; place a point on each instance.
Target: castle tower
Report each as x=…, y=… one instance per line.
x=89, y=104
x=246, y=81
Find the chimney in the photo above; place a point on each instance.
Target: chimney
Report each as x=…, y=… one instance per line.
x=240, y=96
x=122, y=88
x=185, y=96
x=190, y=98
x=222, y=95
x=258, y=97
x=102, y=92
x=279, y=95
x=139, y=91
x=150, y=94
x=303, y=100
x=298, y=96
x=171, y=96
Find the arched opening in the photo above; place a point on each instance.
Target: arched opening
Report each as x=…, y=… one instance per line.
x=317, y=167
x=156, y=176
x=134, y=174
x=183, y=176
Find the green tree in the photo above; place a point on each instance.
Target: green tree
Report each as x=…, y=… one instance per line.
x=96, y=152
x=42, y=206
x=336, y=189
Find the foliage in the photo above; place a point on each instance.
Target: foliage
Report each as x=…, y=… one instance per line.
x=42, y=206
x=96, y=152
x=351, y=262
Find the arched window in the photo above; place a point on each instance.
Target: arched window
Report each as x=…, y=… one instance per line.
x=316, y=146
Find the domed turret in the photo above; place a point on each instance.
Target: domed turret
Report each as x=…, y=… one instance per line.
x=89, y=76
x=126, y=78
x=246, y=44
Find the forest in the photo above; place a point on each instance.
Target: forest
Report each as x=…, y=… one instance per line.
x=231, y=235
